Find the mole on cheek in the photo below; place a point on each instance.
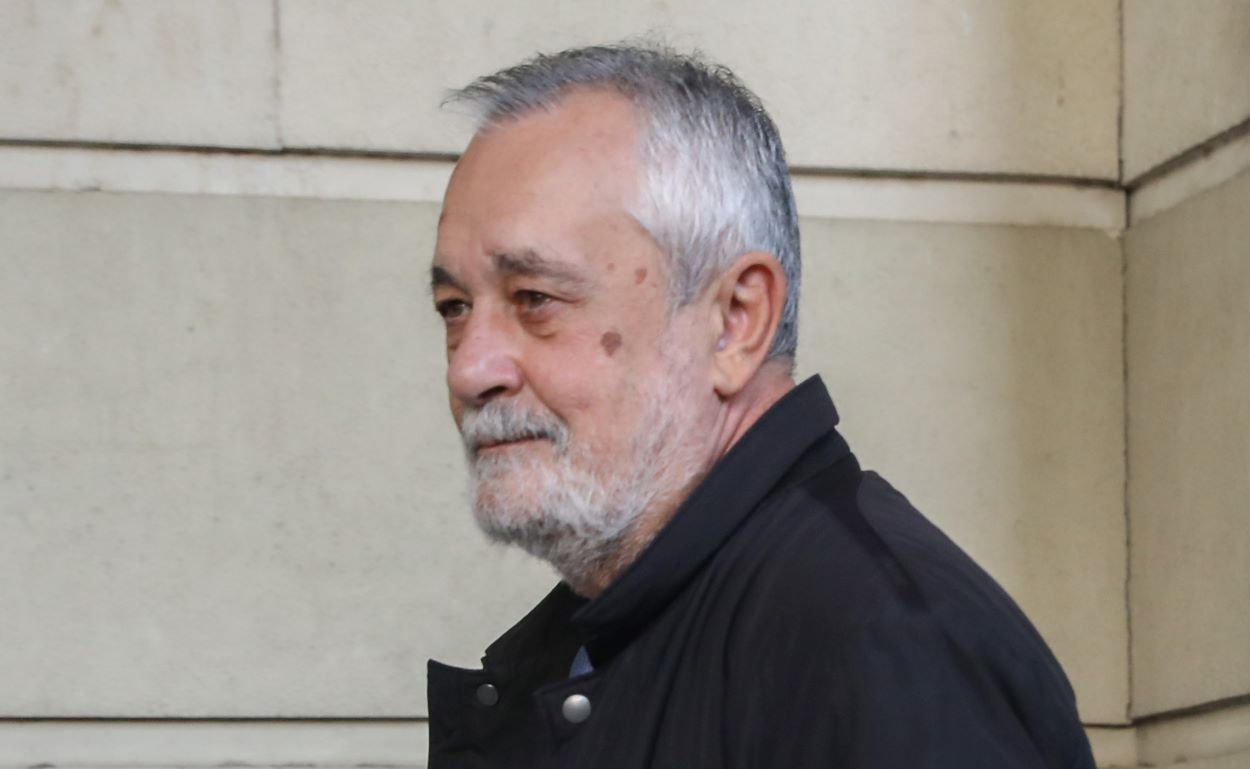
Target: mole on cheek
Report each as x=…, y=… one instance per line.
x=611, y=341
x=640, y=275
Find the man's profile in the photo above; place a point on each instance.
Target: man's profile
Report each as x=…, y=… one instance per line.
x=618, y=271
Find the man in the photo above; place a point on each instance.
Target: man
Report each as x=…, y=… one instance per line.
x=618, y=270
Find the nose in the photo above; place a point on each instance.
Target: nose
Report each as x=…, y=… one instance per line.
x=484, y=364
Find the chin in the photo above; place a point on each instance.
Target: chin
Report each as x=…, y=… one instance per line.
x=501, y=510
x=562, y=516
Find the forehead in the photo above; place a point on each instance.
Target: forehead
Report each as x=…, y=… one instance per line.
x=574, y=160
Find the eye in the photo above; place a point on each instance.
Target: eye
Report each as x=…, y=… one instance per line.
x=530, y=301
x=452, y=309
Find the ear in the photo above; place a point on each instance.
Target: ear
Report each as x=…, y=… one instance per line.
x=747, y=310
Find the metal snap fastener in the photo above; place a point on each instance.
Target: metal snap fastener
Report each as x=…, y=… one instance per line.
x=487, y=694
x=576, y=708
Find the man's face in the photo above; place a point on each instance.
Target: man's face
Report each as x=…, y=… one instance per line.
x=577, y=389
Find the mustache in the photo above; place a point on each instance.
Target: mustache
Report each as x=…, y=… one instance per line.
x=501, y=422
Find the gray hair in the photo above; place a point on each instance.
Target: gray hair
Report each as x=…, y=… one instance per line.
x=715, y=181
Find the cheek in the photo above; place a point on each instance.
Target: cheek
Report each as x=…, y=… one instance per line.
x=589, y=374
x=567, y=381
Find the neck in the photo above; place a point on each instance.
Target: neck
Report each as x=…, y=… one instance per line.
x=742, y=410
x=735, y=416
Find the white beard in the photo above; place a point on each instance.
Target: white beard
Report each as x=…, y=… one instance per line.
x=574, y=509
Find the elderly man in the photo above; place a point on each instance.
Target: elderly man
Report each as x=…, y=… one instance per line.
x=618, y=271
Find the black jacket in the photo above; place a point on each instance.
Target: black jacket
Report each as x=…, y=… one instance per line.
x=796, y=612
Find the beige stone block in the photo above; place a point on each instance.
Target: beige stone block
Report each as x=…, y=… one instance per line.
x=1187, y=180
x=956, y=85
x=231, y=487
x=138, y=71
x=254, y=743
x=423, y=180
x=1220, y=732
x=229, y=481
x=1186, y=76
x=1113, y=746
x=1238, y=760
x=1189, y=444
x=979, y=369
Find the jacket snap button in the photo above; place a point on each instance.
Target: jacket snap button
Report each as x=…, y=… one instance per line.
x=487, y=694
x=576, y=708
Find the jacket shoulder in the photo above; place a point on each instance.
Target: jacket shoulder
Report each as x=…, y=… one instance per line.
x=868, y=613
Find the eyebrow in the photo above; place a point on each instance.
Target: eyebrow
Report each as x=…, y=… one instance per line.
x=530, y=263
x=526, y=262
x=439, y=276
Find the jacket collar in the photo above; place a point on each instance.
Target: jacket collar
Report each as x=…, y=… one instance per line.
x=765, y=455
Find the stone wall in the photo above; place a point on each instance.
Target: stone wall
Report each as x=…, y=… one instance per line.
x=232, y=524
